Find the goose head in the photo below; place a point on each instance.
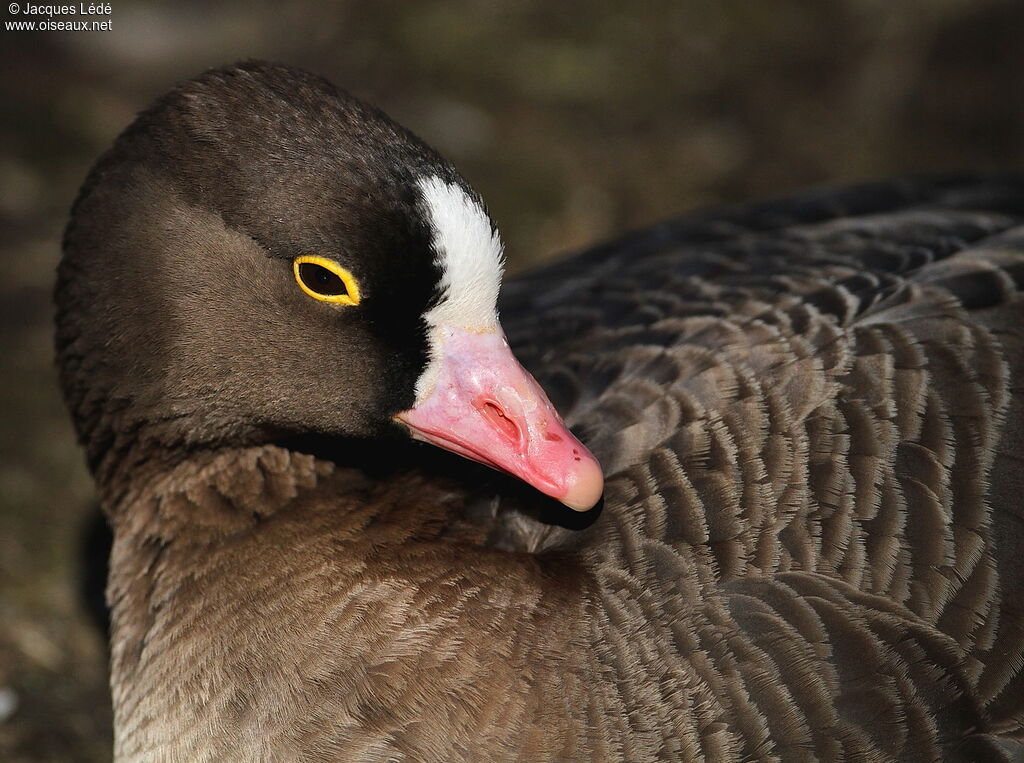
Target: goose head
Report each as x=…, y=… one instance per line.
x=262, y=255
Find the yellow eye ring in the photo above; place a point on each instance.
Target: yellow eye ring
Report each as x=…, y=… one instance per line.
x=325, y=280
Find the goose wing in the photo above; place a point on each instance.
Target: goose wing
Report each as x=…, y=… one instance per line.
x=811, y=417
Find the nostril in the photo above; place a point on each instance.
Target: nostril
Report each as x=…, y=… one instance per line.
x=493, y=413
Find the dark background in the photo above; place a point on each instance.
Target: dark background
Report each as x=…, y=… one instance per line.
x=574, y=121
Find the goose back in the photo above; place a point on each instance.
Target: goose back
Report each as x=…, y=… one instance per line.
x=810, y=412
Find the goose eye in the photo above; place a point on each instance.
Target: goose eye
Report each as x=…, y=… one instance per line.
x=326, y=280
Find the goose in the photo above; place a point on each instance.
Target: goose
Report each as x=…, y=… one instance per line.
x=759, y=496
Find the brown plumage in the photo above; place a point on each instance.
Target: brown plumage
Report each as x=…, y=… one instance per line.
x=810, y=415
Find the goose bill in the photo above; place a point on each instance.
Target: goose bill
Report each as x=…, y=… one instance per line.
x=485, y=406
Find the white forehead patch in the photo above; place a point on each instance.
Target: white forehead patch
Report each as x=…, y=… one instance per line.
x=469, y=254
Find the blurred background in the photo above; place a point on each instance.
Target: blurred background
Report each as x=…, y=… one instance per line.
x=574, y=120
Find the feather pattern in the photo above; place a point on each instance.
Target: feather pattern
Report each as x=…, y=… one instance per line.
x=811, y=418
